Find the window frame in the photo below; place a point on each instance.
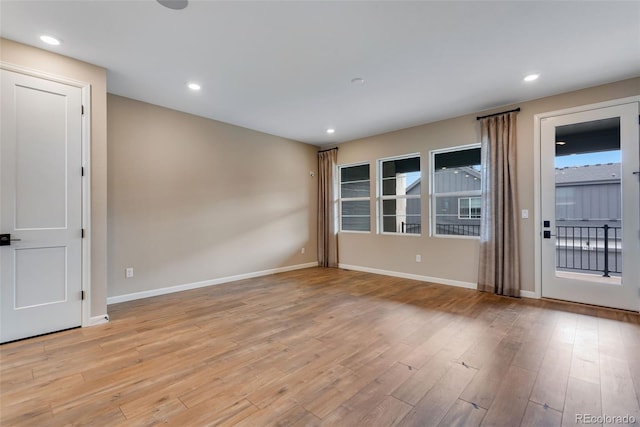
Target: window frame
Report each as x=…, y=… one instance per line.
x=458, y=194
x=380, y=198
x=353, y=199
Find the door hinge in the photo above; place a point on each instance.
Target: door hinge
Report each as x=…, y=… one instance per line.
x=82, y=110
x=82, y=171
x=82, y=233
x=82, y=295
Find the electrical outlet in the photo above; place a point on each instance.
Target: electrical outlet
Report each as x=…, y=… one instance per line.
x=302, y=251
x=128, y=272
x=418, y=258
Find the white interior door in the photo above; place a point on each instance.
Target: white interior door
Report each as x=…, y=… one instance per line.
x=590, y=207
x=40, y=206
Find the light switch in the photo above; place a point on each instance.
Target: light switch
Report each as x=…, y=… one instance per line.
x=525, y=213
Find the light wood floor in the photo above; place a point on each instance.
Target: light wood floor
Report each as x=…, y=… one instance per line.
x=328, y=347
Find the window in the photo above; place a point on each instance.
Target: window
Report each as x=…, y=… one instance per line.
x=455, y=191
x=469, y=207
x=400, y=188
x=355, y=198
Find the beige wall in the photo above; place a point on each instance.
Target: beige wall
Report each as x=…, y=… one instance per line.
x=449, y=258
x=62, y=66
x=193, y=199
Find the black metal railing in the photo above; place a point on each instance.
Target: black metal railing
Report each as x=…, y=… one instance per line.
x=411, y=228
x=458, y=229
x=589, y=249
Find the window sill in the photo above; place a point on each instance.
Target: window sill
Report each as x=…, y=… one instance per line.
x=451, y=236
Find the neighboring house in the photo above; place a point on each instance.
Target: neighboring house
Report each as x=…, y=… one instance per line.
x=456, y=214
x=413, y=224
x=585, y=196
x=588, y=195
x=457, y=206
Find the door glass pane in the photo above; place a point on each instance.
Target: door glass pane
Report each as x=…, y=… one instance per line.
x=588, y=200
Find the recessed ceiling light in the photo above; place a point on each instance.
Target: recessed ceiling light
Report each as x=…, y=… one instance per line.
x=560, y=142
x=330, y=131
x=174, y=4
x=194, y=86
x=531, y=77
x=357, y=81
x=50, y=40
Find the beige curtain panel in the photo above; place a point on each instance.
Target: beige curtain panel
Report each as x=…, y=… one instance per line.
x=499, y=268
x=327, y=209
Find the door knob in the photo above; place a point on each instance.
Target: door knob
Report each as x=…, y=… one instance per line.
x=5, y=240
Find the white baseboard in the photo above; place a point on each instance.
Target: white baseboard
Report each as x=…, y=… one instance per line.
x=188, y=286
x=438, y=280
x=98, y=320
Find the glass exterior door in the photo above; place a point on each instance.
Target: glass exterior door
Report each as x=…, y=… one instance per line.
x=590, y=216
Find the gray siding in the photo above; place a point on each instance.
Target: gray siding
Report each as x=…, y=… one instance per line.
x=459, y=179
x=596, y=204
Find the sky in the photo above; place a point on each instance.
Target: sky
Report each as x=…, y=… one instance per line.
x=412, y=177
x=588, y=159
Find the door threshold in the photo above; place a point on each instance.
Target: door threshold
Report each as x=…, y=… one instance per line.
x=587, y=277
x=593, y=306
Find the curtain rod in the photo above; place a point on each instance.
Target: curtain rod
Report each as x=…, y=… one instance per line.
x=328, y=149
x=515, y=110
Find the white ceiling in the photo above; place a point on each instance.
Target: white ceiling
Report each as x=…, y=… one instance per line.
x=285, y=68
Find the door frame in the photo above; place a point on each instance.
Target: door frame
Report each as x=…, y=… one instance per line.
x=537, y=183
x=85, y=181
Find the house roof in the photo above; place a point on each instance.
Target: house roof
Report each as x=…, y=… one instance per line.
x=608, y=172
x=291, y=68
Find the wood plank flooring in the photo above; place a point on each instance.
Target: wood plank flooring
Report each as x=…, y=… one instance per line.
x=328, y=347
